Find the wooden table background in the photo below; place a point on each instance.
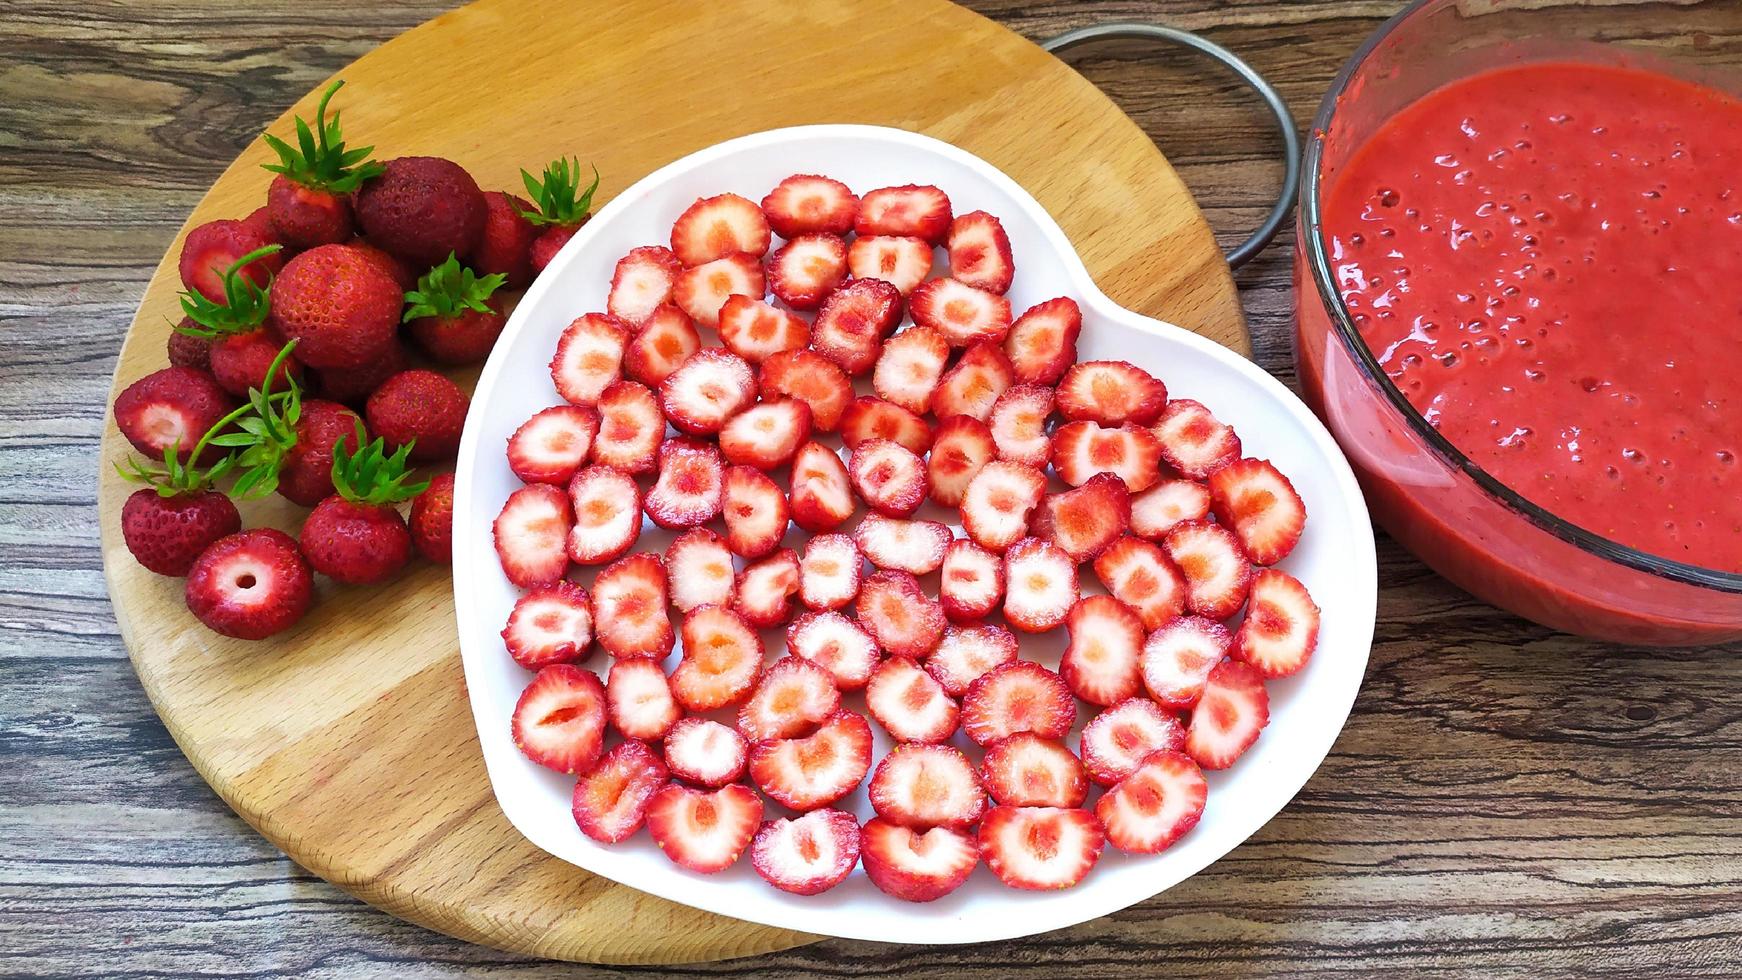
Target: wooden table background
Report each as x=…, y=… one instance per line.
x=1504, y=801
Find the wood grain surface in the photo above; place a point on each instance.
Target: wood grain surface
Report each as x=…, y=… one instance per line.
x=1503, y=802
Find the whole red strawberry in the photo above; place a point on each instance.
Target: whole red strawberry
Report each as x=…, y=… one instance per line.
x=563, y=207
x=505, y=247
x=188, y=350
x=422, y=208
x=340, y=304
x=356, y=536
x=239, y=346
x=450, y=315
x=432, y=520
x=309, y=202
x=171, y=407
x=353, y=386
x=217, y=245
x=306, y=476
x=177, y=515
x=250, y=585
x=422, y=407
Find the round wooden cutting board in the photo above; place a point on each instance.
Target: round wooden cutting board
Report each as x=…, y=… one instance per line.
x=348, y=741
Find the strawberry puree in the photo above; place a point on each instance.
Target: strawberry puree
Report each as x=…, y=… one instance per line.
x=1547, y=260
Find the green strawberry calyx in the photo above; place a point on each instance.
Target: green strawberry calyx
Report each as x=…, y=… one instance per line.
x=369, y=476
x=245, y=302
x=559, y=198
x=319, y=159
x=264, y=433
x=450, y=289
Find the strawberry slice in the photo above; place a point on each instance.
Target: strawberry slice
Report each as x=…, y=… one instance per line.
x=1161, y=508
x=1177, y=660
x=610, y=800
x=853, y=322
x=1194, y=442
x=1027, y=770
x=1216, y=570
x=828, y=572
x=552, y=445
x=803, y=272
x=1258, y=503
x=1155, y=805
x=809, y=854
x=1042, y=343
x=972, y=583
x=888, y=477
x=666, y=338
x=607, y=509
x=813, y=379
x=900, y=261
x=811, y=772
x=923, y=785
x=999, y=499
x=559, y=721
x=910, y=367
x=822, y=492
x=1018, y=423
x=722, y=658
x=1110, y=393
x=1229, y=715
x=1040, y=585
x=973, y=386
x=629, y=618
x=836, y=644
x=916, y=547
x=702, y=290
x=756, y=331
x=909, y=703
x=961, y=448
x=755, y=511
x=980, y=252
x=1084, y=521
x=1140, y=575
x=698, y=566
x=704, y=832
x=963, y=314
x=793, y=698
x=552, y=624
x=705, y=753
x=1100, y=665
x=1081, y=450
x=718, y=226
x=916, y=866
x=1020, y=696
x=968, y=653
x=691, y=483
x=707, y=390
x=921, y=211
x=903, y=620
x=641, y=282
x=765, y=589
x=638, y=699
x=529, y=535
x=1118, y=739
x=1040, y=848
x=589, y=357
x=873, y=418
x=766, y=435
x=1281, y=626
x=808, y=203
x=630, y=428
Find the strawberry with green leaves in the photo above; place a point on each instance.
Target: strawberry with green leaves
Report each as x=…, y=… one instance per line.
x=240, y=344
x=562, y=207
x=177, y=514
x=284, y=443
x=309, y=202
x=450, y=313
x=356, y=536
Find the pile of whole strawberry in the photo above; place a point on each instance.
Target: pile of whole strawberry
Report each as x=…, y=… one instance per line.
x=1156, y=498
x=311, y=293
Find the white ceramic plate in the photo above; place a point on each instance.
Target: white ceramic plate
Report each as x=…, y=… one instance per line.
x=1335, y=557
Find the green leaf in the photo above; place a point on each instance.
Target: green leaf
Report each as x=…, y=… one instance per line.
x=320, y=160
x=450, y=289
x=555, y=196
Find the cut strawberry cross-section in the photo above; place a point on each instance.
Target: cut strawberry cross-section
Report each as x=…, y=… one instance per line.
x=1040, y=848
x=974, y=385
x=835, y=643
x=699, y=567
x=792, y=699
x=1281, y=626
x=589, y=357
x=813, y=379
x=822, y=492
x=722, y=658
x=910, y=367
x=1042, y=343
x=1194, y=442
x=641, y=282
x=870, y=418
x=1110, y=393
x=665, y=339
x=972, y=584
x=610, y=800
x=803, y=272
x=607, y=509
x=702, y=290
x=638, y=699
x=1084, y=521
x=853, y=322
x=888, y=477
x=705, y=753
x=767, y=435
x=1216, y=570
x=552, y=445
x=809, y=854
x=1027, y=770
x=808, y=203
x=963, y=314
x=559, y=721
x=968, y=653
x=630, y=428
x=1228, y=718
x=756, y=512
x=962, y=446
x=1178, y=658
x=1262, y=508
x=900, y=261
x=1118, y=739
x=980, y=252
x=552, y=624
x=1081, y=450
x=1154, y=806
x=756, y=331
x=909, y=703
x=913, y=865
x=904, y=621
x=530, y=532
x=707, y=390
x=703, y=831
x=1169, y=503
x=718, y=226
x=1020, y=696
x=765, y=589
x=900, y=545
x=690, y=486
x=1140, y=575
x=1018, y=423
x=922, y=785
x=1100, y=665
x=1040, y=585
x=921, y=210
x=629, y=617
x=828, y=571
x=998, y=501
x=815, y=771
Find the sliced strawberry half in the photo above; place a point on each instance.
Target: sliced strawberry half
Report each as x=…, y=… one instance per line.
x=910, y=367
x=1232, y=711
x=1081, y=450
x=870, y=418
x=702, y=290
x=809, y=854
x=1042, y=343
x=961, y=448
x=980, y=252
x=903, y=620
x=641, y=282
x=1118, y=739
x=913, y=865
x=707, y=390
x=559, y=721
x=610, y=800
x=629, y=618
x=698, y=566
x=1110, y=393
x=853, y=321
x=813, y=379
x=909, y=703
x=530, y=532
x=666, y=338
x=792, y=699
x=974, y=385
x=1100, y=664
x=607, y=509
x=1178, y=658
x=552, y=624
x=888, y=477
x=1154, y=806
x=1020, y=696
x=1084, y=521
x=1193, y=441
x=1216, y=570
x=1251, y=497
x=756, y=331
x=923, y=785
x=1168, y=504
x=822, y=492
x=968, y=653
x=1281, y=626
x=589, y=357
x=963, y=314
x=631, y=427
x=722, y=658
x=803, y=272
x=835, y=643
x=638, y=699
x=1040, y=848
x=765, y=589
x=691, y=483
x=1040, y=585
x=811, y=772
x=808, y=203
x=828, y=571
x=703, y=831
x=705, y=753
x=998, y=501
x=1027, y=770
x=552, y=445
x=1018, y=423
x=919, y=210
x=1141, y=575
x=916, y=547
x=718, y=226
x=756, y=512
x=766, y=435
x=900, y=261
x=971, y=585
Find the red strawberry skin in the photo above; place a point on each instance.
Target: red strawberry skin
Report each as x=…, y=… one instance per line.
x=341, y=306
x=211, y=248
x=174, y=405
x=240, y=361
x=188, y=351
x=357, y=544
x=549, y=242
x=505, y=245
x=250, y=585
x=303, y=217
x=306, y=477
x=432, y=520
x=421, y=405
x=464, y=338
x=353, y=386
x=166, y=534
x=421, y=209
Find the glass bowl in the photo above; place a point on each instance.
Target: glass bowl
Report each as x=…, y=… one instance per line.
x=1434, y=500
